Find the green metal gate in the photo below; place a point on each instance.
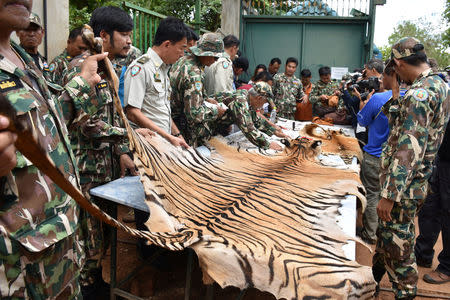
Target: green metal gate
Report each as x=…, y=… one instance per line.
x=335, y=33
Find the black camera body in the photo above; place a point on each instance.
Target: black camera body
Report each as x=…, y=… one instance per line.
x=366, y=86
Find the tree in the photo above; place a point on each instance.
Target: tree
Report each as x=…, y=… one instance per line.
x=80, y=10
x=446, y=16
x=433, y=43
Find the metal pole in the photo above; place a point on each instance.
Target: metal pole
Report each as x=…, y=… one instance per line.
x=197, y=16
x=372, y=11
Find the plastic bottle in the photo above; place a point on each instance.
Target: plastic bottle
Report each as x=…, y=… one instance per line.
x=273, y=115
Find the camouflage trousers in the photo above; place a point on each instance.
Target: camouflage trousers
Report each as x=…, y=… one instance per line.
x=96, y=237
x=286, y=109
x=50, y=274
x=394, y=252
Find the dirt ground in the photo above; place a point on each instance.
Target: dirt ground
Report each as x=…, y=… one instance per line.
x=166, y=279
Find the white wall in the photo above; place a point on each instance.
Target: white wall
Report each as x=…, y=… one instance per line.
x=230, y=17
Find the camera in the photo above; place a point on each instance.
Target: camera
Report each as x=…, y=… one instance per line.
x=366, y=86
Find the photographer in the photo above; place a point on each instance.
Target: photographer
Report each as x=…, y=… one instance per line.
x=370, y=116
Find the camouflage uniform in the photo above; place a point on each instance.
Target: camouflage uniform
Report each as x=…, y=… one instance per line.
x=417, y=125
x=193, y=117
x=58, y=66
x=97, y=143
x=322, y=88
x=244, y=115
x=287, y=91
x=120, y=62
x=41, y=252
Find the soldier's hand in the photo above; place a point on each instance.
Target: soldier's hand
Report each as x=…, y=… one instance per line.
x=127, y=164
x=384, y=209
x=221, y=111
x=323, y=98
x=89, y=68
x=7, y=149
x=275, y=146
x=178, y=141
x=279, y=133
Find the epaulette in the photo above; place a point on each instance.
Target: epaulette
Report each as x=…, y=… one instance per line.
x=143, y=59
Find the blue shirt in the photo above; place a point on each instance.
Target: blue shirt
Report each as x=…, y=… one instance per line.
x=372, y=117
x=122, y=84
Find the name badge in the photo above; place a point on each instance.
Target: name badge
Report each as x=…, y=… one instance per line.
x=10, y=84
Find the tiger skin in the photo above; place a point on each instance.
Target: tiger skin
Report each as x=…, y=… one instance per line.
x=259, y=221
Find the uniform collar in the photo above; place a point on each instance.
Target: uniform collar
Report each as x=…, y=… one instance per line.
x=66, y=55
x=155, y=58
x=423, y=74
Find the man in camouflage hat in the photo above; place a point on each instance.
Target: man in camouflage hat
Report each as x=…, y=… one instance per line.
x=60, y=64
x=192, y=114
x=242, y=106
x=417, y=123
x=41, y=251
x=30, y=39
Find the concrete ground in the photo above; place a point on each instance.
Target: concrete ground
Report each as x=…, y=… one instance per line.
x=167, y=281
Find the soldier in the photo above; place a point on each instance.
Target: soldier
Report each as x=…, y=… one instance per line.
x=322, y=92
x=30, y=39
x=417, y=123
x=100, y=144
x=274, y=66
x=41, y=251
x=242, y=111
x=287, y=90
x=75, y=46
x=219, y=76
x=147, y=83
x=192, y=114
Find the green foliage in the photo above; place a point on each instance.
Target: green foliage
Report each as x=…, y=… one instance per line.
x=434, y=45
x=80, y=10
x=446, y=16
x=386, y=52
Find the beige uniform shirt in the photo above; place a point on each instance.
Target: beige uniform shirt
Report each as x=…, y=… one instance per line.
x=147, y=87
x=219, y=76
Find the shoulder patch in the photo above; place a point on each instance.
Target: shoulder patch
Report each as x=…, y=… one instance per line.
x=10, y=84
x=198, y=86
x=102, y=85
x=420, y=95
x=143, y=59
x=135, y=70
x=225, y=64
x=52, y=67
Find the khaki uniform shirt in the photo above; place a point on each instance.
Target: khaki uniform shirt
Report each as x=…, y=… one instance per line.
x=219, y=76
x=147, y=87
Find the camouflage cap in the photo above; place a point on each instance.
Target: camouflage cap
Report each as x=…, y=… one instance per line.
x=263, y=89
x=210, y=44
x=34, y=18
x=404, y=48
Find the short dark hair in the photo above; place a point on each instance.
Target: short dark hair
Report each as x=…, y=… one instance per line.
x=263, y=76
x=419, y=57
x=260, y=66
x=389, y=69
x=275, y=60
x=110, y=19
x=170, y=29
x=230, y=41
x=74, y=33
x=305, y=73
x=192, y=35
x=292, y=59
x=324, y=70
x=376, y=64
x=241, y=62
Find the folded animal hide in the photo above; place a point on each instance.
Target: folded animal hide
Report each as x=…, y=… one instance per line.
x=267, y=222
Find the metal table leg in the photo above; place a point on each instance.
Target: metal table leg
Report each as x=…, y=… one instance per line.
x=210, y=292
x=113, y=265
x=187, y=289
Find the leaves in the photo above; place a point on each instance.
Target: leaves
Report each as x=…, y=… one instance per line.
x=80, y=10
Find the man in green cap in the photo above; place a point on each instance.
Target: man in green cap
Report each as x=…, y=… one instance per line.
x=417, y=123
x=242, y=106
x=192, y=113
x=30, y=39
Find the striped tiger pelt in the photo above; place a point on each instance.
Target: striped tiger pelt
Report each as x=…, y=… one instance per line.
x=260, y=221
